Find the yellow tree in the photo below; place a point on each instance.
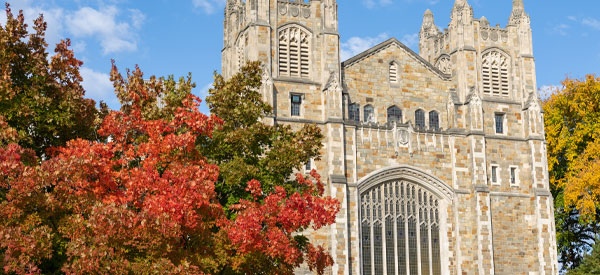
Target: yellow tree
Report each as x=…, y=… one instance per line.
x=572, y=124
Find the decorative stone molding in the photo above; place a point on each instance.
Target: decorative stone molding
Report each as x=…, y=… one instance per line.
x=409, y=173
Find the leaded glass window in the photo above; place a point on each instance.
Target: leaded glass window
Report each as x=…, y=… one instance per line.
x=499, y=119
x=399, y=230
x=369, y=114
x=420, y=119
x=354, y=112
x=434, y=120
x=296, y=104
x=394, y=114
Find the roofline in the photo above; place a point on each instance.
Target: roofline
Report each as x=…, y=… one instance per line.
x=351, y=61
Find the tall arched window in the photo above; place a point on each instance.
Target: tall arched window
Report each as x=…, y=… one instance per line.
x=354, y=112
x=393, y=72
x=495, y=69
x=420, y=119
x=434, y=120
x=294, y=52
x=369, y=114
x=400, y=229
x=394, y=114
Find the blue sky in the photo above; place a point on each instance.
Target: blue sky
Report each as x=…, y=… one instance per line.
x=179, y=36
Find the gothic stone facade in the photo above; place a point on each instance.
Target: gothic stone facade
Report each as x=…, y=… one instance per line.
x=438, y=158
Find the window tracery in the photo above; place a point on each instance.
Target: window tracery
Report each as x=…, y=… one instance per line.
x=294, y=52
x=400, y=229
x=495, y=73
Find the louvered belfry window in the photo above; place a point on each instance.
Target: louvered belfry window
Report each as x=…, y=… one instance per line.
x=294, y=52
x=400, y=230
x=495, y=74
x=393, y=72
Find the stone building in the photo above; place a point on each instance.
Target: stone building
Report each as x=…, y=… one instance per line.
x=438, y=158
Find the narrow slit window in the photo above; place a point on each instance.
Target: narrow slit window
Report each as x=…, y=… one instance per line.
x=513, y=175
x=434, y=121
x=369, y=114
x=296, y=104
x=494, y=174
x=499, y=120
x=420, y=119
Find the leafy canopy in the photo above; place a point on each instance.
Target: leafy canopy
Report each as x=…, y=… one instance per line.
x=572, y=125
x=41, y=98
x=143, y=193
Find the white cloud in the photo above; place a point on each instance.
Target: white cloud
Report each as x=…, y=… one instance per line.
x=356, y=45
x=410, y=40
x=587, y=21
x=137, y=18
x=208, y=6
x=591, y=22
x=204, y=90
x=98, y=86
x=114, y=35
x=376, y=3
x=53, y=16
x=561, y=29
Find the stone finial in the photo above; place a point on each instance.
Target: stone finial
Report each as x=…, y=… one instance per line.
x=461, y=3
x=428, y=20
x=484, y=21
x=518, y=14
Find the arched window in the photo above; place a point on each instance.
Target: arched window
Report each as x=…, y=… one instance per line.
x=394, y=114
x=393, y=72
x=354, y=112
x=294, y=52
x=495, y=73
x=420, y=119
x=434, y=120
x=400, y=229
x=369, y=114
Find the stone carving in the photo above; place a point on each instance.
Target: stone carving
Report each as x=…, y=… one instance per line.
x=306, y=13
x=403, y=137
x=294, y=11
x=444, y=64
x=282, y=9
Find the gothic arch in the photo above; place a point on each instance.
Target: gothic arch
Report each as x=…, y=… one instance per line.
x=402, y=222
x=409, y=173
x=294, y=50
x=496, y=71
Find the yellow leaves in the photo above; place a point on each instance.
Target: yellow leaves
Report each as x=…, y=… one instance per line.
x=572, y=124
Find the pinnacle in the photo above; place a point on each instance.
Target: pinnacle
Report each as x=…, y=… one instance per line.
x=428, y=12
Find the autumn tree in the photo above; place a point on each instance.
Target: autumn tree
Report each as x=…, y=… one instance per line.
x=246, y=149
x=572, y=125
x=142, y=199
x=40, y=97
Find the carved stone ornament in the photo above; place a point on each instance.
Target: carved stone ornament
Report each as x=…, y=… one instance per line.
x=494, y=35
x=333, y=84
x=403, y=137
x=266, y=76
x=294, y=11
x=444, y=64
x=306, y=13
x=282, y=9
x=484, y=34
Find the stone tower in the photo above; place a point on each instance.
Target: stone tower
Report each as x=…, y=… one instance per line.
x=438, y=158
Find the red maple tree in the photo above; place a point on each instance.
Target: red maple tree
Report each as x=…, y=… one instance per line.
x=144, y=200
